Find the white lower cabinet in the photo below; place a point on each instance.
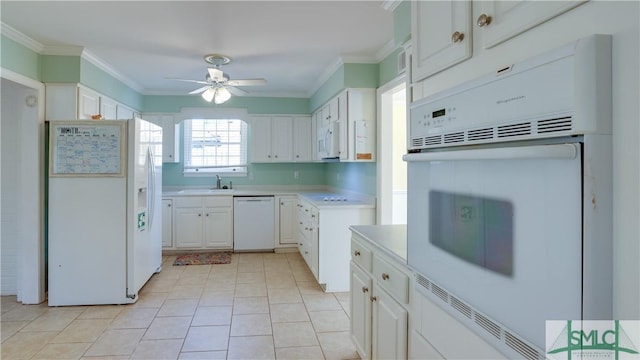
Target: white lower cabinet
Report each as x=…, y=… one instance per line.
x=167, y=223
x=204, y=222
x=379, y=304
x=287, y=221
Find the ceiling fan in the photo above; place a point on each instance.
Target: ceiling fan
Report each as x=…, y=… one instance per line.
x=218, y=86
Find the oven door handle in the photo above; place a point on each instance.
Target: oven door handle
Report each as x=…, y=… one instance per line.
x=557, y=151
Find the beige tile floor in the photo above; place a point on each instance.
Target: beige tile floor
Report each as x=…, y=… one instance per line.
x=261, y=306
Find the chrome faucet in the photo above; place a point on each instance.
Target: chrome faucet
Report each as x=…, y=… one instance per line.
x=218, y=182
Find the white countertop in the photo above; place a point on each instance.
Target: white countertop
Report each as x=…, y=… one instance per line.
x=309, y=194
x=392, y=239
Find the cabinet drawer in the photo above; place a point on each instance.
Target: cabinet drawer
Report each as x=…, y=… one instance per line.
x=210, y=201
x=360, y=255
x=394, y=280
x=188, y=201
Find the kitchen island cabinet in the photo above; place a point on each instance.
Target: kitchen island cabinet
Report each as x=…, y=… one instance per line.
x=324, y=240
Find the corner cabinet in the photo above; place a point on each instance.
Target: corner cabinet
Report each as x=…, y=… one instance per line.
x=379, y=303
x=203, y=222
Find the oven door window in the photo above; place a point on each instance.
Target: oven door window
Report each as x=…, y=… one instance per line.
x=502, y=230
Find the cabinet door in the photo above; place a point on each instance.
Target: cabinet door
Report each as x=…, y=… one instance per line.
x=507, y=19
x=302, y=138
x=167, y=223
x=441, y=33
x=108, y=108
x=261, y=139
x=281, y=139
x=188, y=227
x=218, y=227
x=313, y=250
x=390, y=323
x=124, y=113
x=361, y=311
x=287, y=220
x=88, y=103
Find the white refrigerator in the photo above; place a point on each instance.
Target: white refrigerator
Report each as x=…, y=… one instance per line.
x=104, y=210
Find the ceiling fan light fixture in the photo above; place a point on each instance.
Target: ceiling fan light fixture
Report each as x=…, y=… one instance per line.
x=209, y=94
x=221, y=95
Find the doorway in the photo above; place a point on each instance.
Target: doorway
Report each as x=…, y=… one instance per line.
x=392, y=145
x=22, y=188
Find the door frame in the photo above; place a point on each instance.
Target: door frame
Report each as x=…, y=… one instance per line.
x=31, y=264
x=384, y=187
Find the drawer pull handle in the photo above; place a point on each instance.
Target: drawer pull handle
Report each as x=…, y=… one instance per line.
x=385, y=276
x=356, y=253
x=483, y=20
x=373, y=298
x=365, y=289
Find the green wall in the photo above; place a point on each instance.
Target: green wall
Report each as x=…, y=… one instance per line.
x=254, y=105
x=19, y=59
x=352, y=176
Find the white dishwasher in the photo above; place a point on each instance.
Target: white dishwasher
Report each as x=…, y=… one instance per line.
x=253, y=223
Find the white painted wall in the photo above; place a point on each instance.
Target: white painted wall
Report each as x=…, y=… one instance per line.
x=10, y=185
x=620, y=19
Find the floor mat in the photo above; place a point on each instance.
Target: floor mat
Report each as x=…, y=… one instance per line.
x=204, y=258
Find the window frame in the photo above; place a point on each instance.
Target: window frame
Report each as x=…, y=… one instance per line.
x=239, y=170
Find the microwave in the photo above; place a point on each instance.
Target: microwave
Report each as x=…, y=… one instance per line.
x=328, y=141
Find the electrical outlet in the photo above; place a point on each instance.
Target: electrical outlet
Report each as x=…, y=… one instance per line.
x=296, y=174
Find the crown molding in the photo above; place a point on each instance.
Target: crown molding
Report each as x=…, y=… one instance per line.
x=102, y=65
x=385, y=51
x=335, y=65
x=62, y=50
x=20, y=38
x=390, y=5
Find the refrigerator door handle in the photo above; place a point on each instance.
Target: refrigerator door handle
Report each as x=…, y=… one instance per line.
x=152, y=185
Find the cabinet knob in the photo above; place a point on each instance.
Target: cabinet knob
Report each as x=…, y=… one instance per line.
x=269, y=156
x=170, y=156
x=276, y=156
x=365, y=289
x=373, y=298
x=483, y=20
x=168, y=205
x=207, y=214
x=297, y=156
x=385, y=276
x=306, y=252
x=356, y=253
x=199, y=214
x=457, y=37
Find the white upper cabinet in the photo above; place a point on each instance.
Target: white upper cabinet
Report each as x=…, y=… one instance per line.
x=281, y=139
x=76, y=102
x=88, y=103
x=441, y=33
x=302, y=144
x=108, y=108
x=170, y=135
x=499, y=20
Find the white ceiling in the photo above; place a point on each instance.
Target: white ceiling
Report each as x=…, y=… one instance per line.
x=292, y=44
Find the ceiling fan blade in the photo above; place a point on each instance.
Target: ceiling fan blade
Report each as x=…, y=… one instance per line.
x=216, y=75
x=199, y=90
x=188, y=80
x=247, y=82
x=235, y=91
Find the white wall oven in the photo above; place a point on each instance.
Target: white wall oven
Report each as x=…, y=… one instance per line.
x=509, y=206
